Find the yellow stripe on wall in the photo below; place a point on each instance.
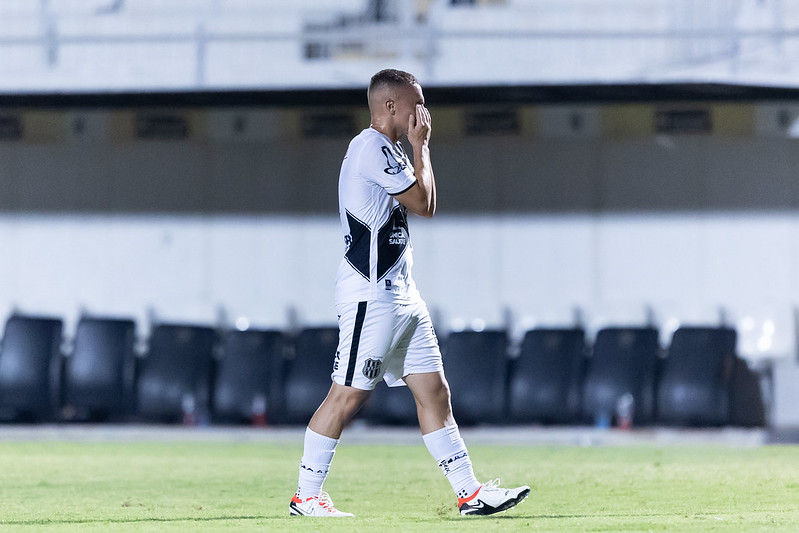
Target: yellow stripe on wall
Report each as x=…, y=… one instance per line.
x=44, y=127
x=621, y=121
x=733, y=120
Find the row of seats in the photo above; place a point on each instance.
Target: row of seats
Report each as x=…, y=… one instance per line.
x=192, y=374
x=559, y=378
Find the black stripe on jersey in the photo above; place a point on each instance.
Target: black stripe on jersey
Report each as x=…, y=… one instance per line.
x=392, y=240
x=356, y=340
x=358, y=251
x=401, y=150
x=406, y=189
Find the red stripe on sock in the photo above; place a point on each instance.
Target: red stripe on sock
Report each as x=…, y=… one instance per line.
x=461, y=501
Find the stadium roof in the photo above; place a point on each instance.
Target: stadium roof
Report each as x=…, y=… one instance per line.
x=504, y=94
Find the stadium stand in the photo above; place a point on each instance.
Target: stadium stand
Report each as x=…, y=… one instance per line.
x=194, y=44
x=747, y=406
x=306, y=375
x=623, y=361
x=245, y=383
x=197, y=375
x=99, y=373
x=174, y=379
x=390, y=406
x=695, y=382
x=476, y=364
x=545, y=378
x=30, y=368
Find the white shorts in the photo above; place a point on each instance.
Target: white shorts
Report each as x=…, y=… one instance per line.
x=384, y=340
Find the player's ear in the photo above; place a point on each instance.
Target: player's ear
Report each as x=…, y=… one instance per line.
x=391, y=107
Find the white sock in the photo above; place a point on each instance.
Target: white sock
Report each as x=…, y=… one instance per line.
x=318, y=452
x=448, y=449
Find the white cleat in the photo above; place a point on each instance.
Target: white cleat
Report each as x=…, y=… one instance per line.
x=490, y=498
x=320, y=505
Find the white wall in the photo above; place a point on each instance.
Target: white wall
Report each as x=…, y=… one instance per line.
x=617, y=269
x=187, y=269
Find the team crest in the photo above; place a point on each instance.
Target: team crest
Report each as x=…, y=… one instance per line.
x=371, y=368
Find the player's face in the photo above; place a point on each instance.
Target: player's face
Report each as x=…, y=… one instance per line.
x=407, y=100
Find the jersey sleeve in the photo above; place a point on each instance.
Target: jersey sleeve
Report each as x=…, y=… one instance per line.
x=388, y=166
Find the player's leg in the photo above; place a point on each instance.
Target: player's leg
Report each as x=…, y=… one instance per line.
x=443, y=439
x=440, y=432
x=337, y=410
x=425, y=377
x=361, y=337
x=431, y=393
x=319, y=446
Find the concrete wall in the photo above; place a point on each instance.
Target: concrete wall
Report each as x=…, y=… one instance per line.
x=607, y=222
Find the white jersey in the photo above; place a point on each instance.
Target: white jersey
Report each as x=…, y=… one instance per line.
x=377, y=256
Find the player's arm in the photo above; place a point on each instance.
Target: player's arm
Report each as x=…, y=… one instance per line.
x=421, y=198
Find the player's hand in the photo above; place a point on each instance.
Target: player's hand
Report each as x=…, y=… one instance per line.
x=419, y=126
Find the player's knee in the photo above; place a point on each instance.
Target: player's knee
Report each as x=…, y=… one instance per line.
x=347, y=401
x=437, y=398
x=443, y=392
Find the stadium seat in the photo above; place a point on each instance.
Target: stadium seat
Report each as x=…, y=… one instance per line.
x=98, y=375
x=545, y=378
x=30, y=368
x=390, y=406
x=695, y=383
x=623, y=362
x=476, y=363
x=245, y=388
x=747, y=407
x=306, y=376
x=174, y=379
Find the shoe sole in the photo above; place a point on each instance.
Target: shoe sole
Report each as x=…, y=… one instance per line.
x=293, y=511
x=504, y=507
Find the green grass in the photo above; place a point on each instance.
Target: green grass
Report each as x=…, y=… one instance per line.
x=202, y=486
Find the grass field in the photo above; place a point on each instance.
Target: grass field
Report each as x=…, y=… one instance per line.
x=225, y=486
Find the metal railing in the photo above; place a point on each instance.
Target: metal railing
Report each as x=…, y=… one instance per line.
x=110, y=46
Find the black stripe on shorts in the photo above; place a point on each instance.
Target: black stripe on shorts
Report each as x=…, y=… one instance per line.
x=356, y=339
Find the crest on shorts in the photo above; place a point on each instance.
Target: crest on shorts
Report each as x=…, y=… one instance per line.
x=371, y=368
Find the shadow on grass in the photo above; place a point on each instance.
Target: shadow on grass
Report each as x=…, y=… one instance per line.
x=516, y=517
x=49, y=521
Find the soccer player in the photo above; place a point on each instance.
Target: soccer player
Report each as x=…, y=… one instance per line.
x=385, y=331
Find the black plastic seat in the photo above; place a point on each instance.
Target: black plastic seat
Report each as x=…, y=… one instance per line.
x=747, y=407
x=546, y=377
x=245, y=388
x=623, y=362
x=30, y=368
x=174, y=380
x=306, y=376
x=99, y=374
x=695, y=383
x=475, y=363
x=392, y=406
